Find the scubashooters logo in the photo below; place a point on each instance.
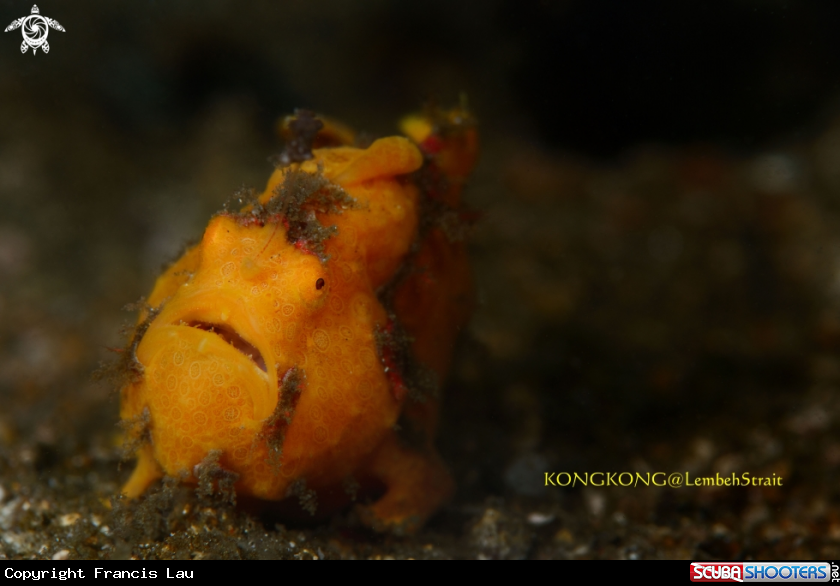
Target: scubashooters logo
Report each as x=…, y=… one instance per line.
x=35, y=29
x=761, y=572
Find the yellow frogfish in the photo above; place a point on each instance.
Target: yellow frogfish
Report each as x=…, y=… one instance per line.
x=298, y=350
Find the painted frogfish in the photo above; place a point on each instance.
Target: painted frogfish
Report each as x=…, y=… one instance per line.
x=299, y=348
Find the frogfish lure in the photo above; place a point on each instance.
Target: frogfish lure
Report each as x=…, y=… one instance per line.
x=298, y=350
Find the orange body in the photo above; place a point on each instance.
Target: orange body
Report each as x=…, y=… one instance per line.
x=303, y=357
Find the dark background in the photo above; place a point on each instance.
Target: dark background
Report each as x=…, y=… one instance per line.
x=656, y=270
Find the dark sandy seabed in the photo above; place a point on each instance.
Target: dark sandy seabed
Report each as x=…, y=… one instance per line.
x=670, y=306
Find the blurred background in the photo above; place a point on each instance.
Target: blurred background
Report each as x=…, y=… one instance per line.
x=657, y=266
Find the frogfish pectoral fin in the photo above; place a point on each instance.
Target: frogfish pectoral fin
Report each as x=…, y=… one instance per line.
x=145, y=473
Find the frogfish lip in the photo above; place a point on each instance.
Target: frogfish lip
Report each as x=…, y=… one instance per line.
x=232, y=337
x=203, y=354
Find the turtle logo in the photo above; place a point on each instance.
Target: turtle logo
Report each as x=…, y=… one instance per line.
x=35, y=28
